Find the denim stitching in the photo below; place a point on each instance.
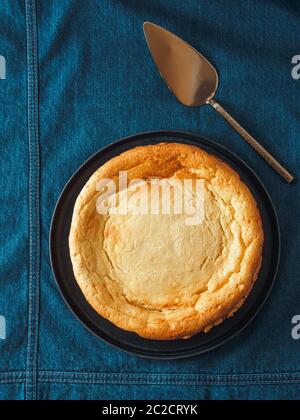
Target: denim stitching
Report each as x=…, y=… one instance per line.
x=11, y=381
x=33, y=295
x=144, y=379
x=175, y=383
x=212, y=375
x=12, y=377
x=185, y=380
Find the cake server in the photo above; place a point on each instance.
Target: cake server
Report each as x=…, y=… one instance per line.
x=194, y=81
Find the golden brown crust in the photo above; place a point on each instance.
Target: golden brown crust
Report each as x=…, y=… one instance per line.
x=131, y=272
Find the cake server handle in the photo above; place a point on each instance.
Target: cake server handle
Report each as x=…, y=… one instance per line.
x=254, y=143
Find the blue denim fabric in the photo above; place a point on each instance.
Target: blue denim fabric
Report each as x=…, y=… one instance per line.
x=79, y=76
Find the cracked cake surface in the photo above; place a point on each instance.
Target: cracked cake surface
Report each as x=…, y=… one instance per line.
x=154, y=274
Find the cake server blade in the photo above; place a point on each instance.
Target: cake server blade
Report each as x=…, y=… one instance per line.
x=194, y=81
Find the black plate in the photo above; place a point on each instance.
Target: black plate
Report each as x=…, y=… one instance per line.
x=200, y=343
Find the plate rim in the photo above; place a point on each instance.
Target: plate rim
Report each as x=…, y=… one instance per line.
x=186, y=136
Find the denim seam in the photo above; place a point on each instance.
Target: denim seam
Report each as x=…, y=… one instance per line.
x=11, y=382
x=207, y=375
x=204, y=383
x=172, y=382
x=12, y=377
x=161, y=379
x=155, y=379
x=34, y=221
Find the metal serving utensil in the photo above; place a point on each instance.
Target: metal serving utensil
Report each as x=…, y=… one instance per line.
x=194, y=81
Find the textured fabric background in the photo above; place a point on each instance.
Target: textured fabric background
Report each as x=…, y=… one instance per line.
x=79, y=76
